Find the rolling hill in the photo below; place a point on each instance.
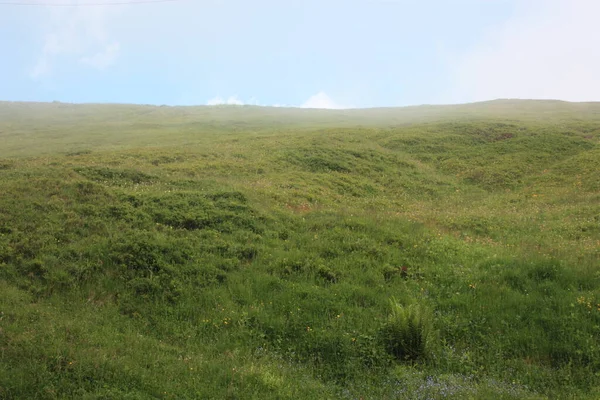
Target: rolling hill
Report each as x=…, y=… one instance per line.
x=249, y=252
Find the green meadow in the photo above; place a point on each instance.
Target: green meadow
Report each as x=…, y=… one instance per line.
x=240, y=252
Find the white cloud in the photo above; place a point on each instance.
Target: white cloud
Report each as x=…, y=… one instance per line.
x=104, y=58
x=77, y=34
x=215, y=101
x=321, y=100
x=231, y=100
x=235, y=100
x=253, y=101
x=547, y=50
x=41, y=68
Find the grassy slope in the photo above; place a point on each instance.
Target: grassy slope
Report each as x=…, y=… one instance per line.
x=189, y=252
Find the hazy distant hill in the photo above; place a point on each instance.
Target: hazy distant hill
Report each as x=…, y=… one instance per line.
x=70, y=127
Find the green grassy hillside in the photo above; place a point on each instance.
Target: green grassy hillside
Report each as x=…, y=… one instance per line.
x=245, y=252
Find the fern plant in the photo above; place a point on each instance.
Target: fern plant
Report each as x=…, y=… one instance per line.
x=408, y=334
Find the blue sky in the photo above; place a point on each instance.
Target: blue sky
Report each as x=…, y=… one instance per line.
x=326, y=54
